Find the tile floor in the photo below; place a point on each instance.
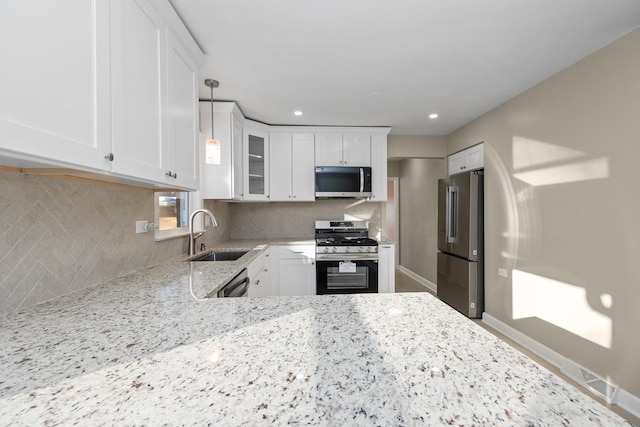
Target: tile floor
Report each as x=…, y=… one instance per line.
x=405, y=283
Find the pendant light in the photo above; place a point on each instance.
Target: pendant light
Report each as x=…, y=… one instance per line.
x=212, y=146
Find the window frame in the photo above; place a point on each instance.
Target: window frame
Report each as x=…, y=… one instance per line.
x=195, y=202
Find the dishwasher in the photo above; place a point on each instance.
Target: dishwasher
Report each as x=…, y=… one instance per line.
x=236, y=287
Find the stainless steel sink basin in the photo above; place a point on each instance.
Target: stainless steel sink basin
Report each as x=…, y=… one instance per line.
x=219, y=255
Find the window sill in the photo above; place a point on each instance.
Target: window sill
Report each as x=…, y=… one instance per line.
x=173, y=233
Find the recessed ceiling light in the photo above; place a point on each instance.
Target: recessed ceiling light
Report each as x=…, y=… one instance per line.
x=375, y=94
x=297, y=113
x=433, y=115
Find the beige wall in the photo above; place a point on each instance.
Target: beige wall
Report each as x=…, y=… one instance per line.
x=419, y=215
x=563, y=209
x=58, y=236
x=393, y=168
x=416, y=146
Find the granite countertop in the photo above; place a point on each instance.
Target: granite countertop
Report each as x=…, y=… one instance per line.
x=149, y=349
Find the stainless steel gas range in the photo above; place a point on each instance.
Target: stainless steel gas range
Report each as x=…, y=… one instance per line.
x=346, y=258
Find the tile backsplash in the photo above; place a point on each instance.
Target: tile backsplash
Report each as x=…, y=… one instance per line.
x=58, y=235
x=292, y=220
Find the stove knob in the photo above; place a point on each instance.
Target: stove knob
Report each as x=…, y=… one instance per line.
x=334, y=250
x=360, y=249
x=326, y=250
x=347, y=249
x=368, y=248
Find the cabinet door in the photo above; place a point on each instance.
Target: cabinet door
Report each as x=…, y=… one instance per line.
x=55, y=91
x=386, y=269
x=256, y=165
x=328, y=149
x=182, y=112
x=138, y=46
x=466, y=160
x=280, y=159
x=379, y=168
x=456, y=163
x=302, y=167
x=475, y=157
x=238, y=160
x=297, y=277
x=356, y=149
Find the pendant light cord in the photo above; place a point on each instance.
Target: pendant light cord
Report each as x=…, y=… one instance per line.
x=212, y=137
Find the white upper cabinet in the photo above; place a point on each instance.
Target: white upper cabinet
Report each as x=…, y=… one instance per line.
x=54, y=102
x=280, y=170
x=221, y=163
x=328, y=149
x=255, y=149
x=100, y=86
x=138, y=44
x=466, y=160
x=154, y=99
x=356, y=149
x=303, y=167
x=181, y=156
x=277, y=163
x=292, y=171
x=338, y=149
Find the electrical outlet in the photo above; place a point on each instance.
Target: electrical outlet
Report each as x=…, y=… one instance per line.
x=502, y=272
x=141, y=226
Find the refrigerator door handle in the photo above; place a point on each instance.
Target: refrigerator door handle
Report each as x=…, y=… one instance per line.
x=361, y=180
x=452, y=214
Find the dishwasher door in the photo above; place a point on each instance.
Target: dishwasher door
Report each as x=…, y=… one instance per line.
x=237, y=287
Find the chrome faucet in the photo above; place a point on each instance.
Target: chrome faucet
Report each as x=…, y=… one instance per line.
x=192, y=237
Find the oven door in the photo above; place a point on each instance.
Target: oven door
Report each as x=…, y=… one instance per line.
x=346, y=276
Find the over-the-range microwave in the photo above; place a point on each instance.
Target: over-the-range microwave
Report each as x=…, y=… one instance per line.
x=343, y=181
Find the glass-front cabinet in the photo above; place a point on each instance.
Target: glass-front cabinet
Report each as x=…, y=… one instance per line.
x=256, y=164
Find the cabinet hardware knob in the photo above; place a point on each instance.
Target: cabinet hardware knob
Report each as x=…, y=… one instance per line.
x=109, y=157
x=171, y=175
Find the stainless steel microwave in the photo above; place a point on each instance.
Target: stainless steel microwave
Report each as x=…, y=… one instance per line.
x=343, y=181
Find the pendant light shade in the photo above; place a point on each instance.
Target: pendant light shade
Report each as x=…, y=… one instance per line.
x=212, y=146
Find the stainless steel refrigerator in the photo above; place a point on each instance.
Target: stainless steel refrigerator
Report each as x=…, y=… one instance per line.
x=461, y=242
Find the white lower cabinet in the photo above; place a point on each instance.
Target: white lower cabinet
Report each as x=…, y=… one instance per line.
x=386, y=268
x=259, y=275
x=294, y=270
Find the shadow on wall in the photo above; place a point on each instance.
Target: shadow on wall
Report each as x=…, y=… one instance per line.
x=538, y=164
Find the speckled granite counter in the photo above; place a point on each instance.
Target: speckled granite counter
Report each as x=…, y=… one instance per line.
x=146, y=349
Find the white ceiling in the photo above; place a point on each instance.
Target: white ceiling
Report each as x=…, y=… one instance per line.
x=329, y=58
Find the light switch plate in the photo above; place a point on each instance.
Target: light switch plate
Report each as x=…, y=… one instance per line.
x=502, y=272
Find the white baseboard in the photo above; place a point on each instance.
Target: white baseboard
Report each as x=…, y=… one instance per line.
x=424, y=282
x=616, y=396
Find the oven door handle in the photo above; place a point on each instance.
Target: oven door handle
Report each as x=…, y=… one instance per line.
x=346, y=257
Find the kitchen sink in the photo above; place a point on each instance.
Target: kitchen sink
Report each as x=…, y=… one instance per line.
x=218, y=255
